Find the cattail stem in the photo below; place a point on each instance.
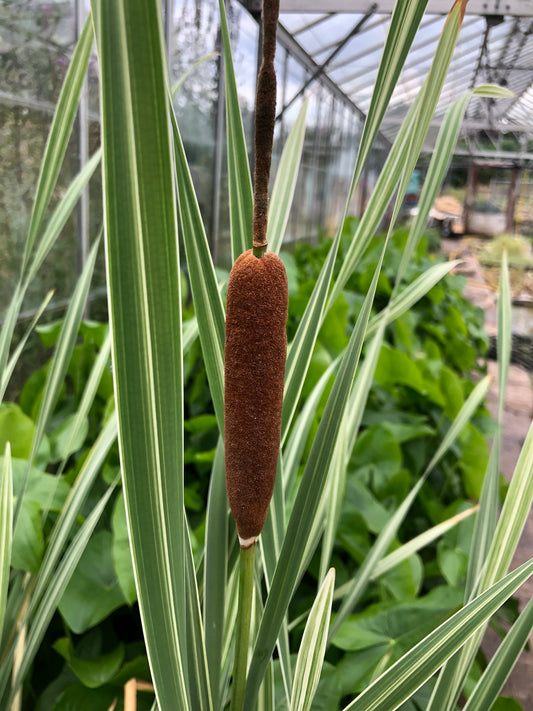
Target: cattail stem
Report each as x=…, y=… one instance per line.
x=244, y=614
x=265, y=117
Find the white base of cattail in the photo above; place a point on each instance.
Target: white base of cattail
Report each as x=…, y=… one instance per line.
x=247, y=542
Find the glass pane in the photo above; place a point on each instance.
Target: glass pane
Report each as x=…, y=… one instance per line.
x=37, y=39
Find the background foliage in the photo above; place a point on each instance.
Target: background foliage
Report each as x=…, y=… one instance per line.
x=421, y=382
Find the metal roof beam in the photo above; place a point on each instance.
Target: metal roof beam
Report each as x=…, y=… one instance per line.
x=428, y=42
x=516, y=8
x=346, y=79
x=482, y=55
x=320, y=70
x=295, y=49
x=367, y=51
x=495, y=155
x=370, y=25
x=471, y=125
x=311, y=24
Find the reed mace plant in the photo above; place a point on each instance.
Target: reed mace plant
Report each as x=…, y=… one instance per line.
x=188, y=612
x=254, y=361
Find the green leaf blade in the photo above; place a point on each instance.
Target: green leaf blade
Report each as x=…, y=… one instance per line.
x=309, y=494
x=401, y=680
x=59, y=133
x=207, y=302
x=6, y=529
x=240, y=183
x=495, y=675
x=313, y=647
x=144, y=296
x=285, y=183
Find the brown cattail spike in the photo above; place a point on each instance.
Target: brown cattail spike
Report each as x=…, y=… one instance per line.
x=265, y=116
x=256, y=348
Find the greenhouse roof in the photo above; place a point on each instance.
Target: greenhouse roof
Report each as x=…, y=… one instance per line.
x=343, y=40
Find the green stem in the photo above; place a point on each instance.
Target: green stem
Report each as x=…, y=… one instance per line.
x=259, y=251
x=244, y=613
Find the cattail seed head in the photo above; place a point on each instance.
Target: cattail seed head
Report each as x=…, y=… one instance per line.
x=255, y=353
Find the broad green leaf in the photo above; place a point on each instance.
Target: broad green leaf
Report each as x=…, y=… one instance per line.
x=397, y=684
x=395, y=367
x=470, y=406
x=397, y=627
x=313, y=647
x=79, y=697
x=50, y=599
x=6, y=529
x=93, y=591
x=207, y=302
x=359, y=583
x=121, y=551
x=144, y=286
x=39, y=486
x=285, y=183
x=92, y=672
x=411, y=293
x=16, y=428
x=378, y=448
x=61, y=358
x=68, y=438
x=500, y=666
x=239, y=181
x=387, y=534
x=28, y=540
x=71, y=508
x=474, y=461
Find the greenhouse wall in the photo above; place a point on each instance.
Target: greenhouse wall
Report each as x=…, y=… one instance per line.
x=36, y=43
